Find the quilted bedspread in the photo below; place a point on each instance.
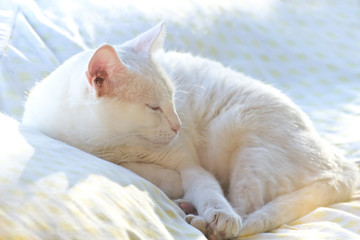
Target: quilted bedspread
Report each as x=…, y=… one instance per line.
x=308, y=49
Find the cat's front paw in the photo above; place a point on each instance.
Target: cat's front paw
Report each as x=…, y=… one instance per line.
x=223, y=225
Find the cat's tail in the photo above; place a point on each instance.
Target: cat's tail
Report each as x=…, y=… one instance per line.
x=289, y=207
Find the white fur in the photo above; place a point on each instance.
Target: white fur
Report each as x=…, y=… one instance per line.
x=244, y=149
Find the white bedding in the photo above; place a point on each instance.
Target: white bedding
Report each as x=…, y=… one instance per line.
x=50, y=190
x=308, y=49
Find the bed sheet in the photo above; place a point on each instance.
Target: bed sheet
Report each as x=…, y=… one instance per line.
x=308, y=49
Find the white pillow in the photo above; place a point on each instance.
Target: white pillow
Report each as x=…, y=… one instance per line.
x=50, y=190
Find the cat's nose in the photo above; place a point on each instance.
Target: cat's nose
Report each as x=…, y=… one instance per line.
x=176, y=127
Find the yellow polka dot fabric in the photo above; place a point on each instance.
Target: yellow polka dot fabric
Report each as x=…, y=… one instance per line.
x=50, y=190
x=308, y=49
x=339, y=221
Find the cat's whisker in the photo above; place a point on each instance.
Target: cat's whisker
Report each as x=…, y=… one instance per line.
x=183, y=91
x=117, y=140
x=178, y=99
x=111, y=142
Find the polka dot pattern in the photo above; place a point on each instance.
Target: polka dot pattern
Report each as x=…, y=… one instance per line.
x=47, y=194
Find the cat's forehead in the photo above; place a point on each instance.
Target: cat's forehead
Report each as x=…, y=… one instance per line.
x=155, y=89
x=146, y=80
x=137, y=87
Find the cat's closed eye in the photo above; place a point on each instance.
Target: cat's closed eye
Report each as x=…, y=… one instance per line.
x=153, y=107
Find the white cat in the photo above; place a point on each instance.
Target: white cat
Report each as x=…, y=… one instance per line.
x=243, y=151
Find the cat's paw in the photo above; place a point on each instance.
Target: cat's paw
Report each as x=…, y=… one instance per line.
x=223, y=225
x=198, y=222
x=220, y=224
x=186, y=206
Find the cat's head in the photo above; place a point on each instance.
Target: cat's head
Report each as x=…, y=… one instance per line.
x=134, y=97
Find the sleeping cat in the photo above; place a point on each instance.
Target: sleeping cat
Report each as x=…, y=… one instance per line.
x=241, y=152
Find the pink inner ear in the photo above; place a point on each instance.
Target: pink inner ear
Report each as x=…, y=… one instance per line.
x=90, y=79
x=104, y=59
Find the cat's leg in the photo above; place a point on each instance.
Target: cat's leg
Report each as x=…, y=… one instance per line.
x=168, y=180
x=205, y=193
x=289, y=207
x=246, y=189
x=266, y=208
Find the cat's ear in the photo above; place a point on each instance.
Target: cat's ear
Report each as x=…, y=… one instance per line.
x=101, y=67
x=149, y=41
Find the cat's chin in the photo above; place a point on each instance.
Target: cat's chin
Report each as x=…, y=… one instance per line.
x=156, y=145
